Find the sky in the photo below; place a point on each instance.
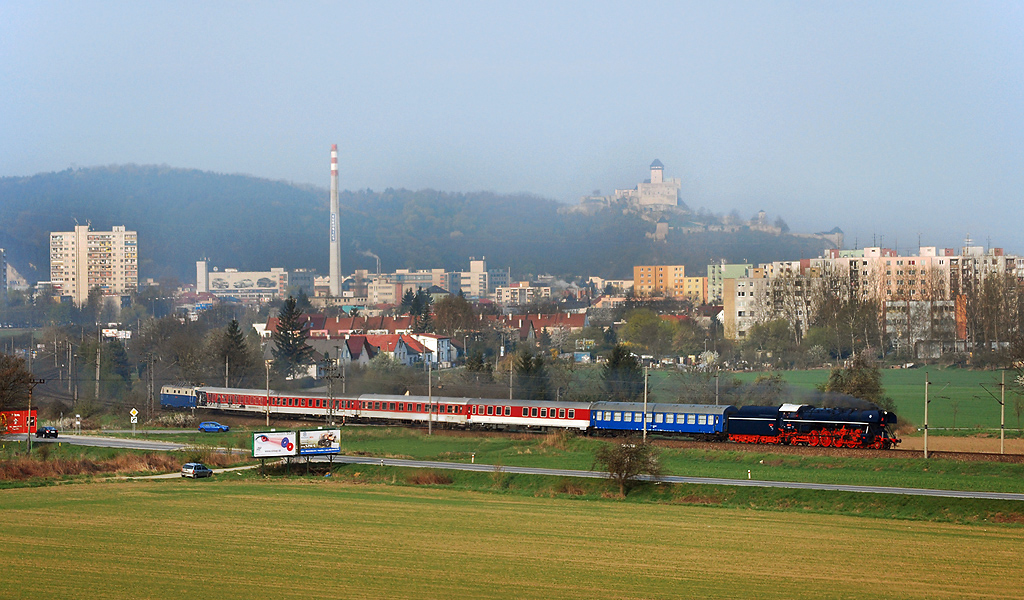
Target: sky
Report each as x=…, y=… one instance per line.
x=894, y=121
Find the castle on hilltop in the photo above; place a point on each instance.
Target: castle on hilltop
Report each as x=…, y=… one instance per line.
x=656, y=193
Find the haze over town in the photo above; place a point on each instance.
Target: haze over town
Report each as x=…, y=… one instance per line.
x=885, y=121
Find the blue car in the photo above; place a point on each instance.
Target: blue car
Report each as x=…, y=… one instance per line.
x=212, y=427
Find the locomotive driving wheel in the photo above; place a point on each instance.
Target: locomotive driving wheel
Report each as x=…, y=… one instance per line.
x=813, y=440
x=826, y=439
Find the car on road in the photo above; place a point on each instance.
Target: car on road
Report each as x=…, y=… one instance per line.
x=195, y=470
x=46, y=432
x=212, y=427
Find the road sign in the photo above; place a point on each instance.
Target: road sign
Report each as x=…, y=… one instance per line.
x=135, y=420
x=134, y=413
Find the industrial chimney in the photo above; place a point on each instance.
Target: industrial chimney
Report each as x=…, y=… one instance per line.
x=335, y=265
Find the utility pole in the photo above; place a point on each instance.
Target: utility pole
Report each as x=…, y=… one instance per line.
x=430, y=400
x=32, y=383
x=99, y=344
x=645, y=404
x=926, y=414
x=267, y=363
x=1002, y=412
x=226, y=371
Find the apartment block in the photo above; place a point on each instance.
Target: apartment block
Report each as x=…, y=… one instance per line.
x=659, y=280
x=82, y=260
x=717, y=274
x=520, y=293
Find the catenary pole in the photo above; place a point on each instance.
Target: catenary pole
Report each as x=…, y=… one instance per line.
x=645, y=405
x=926, y=414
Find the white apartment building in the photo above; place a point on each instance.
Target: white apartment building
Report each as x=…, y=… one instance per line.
x=520, y=293
x=81, y=260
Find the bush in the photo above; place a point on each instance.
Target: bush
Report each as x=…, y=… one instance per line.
x=429, y=478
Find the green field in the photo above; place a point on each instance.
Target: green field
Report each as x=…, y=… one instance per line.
x=952, y=388
x=301, y=539
x=959, y=388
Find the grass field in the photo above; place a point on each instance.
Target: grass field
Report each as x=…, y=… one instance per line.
x=950, y=389
x=259, y=539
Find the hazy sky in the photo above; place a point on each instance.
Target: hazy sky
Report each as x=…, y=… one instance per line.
x=890, y=119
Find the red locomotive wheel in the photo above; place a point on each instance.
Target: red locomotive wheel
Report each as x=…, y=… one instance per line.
x=826, y=440
x=838, y=443
x=813, y=441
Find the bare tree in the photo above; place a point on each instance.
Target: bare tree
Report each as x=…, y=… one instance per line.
x=625, y=462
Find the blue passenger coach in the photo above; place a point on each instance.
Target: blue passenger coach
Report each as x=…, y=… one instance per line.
x=695, y=419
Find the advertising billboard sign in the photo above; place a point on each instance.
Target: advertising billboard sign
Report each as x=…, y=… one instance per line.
x=17, y=421
x=320, y=441
x=267, y=444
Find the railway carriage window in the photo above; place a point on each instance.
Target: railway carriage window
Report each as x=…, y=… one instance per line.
x=401, y=406
x=526, y=412
x=702, y=420
x=618, y=416
x=533, y=411
x=391, y=406
x=659, y=418
x=490, y=410
x=629, y=417
x=543, y=413
x=448, y=408
x=572, y=413
x=691, y=419
x=474, y=409
x=561, y=413
x=376, y=406
x=508, y=411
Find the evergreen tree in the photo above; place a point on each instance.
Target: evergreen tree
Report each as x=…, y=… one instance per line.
x=424, y=322
x=290, y=349
x=476, y=363
x=408, y=300
x=302, y=301
x=235, y=351
x=623, y=378
x=531, y=377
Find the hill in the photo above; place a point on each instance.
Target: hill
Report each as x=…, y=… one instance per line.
x=251, y=223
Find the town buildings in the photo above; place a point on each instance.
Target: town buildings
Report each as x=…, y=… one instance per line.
x=253, y=286
x=83, y=260
x=924, y=300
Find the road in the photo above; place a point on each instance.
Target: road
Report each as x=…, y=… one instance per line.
x=88, y=440
x=390, y=462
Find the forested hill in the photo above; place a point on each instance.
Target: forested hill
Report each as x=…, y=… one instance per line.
x=251, y=223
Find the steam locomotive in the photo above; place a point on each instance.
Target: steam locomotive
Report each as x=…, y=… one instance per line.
x=791, y=424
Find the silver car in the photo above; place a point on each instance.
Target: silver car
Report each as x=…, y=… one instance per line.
x=195, y=470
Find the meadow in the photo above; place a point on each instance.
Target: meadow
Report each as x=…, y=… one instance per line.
x=248, y=538
x=951, y=390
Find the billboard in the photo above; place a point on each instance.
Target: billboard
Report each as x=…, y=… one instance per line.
x=267, y=444
x=17, y=421
x=320, y=441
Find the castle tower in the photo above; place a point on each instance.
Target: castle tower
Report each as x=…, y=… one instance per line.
x=657, y=171
x=335, y=265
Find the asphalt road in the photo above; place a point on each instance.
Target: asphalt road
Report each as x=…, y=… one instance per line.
x=102, y=442
x=677, y=479
x=89, y=440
